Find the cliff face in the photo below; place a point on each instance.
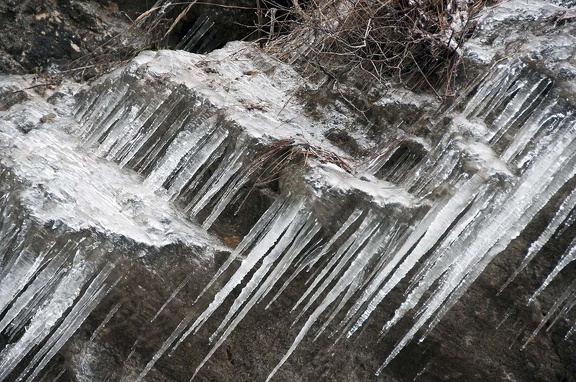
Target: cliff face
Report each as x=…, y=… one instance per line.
x=221, y=217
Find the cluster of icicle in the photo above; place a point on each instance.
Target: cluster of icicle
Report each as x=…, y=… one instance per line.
x=178, y=141
x=172, y=140
x=48, y=286
x=448, y=249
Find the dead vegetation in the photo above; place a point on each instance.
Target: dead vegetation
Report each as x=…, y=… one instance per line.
x=270, y=164
x=267, y=168
x=150, y=30
x=416, y=42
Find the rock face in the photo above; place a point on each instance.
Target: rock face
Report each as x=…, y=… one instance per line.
x=201, y=216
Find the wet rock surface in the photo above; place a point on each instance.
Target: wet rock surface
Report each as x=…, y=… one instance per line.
x=204, y=210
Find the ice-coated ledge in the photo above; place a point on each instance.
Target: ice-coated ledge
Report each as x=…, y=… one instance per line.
x=376, y=192
x=66, y=185
x=256, y=91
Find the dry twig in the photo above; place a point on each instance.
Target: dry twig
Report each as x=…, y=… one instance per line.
x=417, y=42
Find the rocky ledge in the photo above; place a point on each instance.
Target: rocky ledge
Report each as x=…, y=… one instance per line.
x=211, y=217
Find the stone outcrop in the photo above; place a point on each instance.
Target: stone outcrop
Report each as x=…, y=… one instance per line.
x=211, y=216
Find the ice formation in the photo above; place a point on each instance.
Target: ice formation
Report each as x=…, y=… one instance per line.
x=427, y=219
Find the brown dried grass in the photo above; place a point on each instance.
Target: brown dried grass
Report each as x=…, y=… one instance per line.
x=416, y=42
x=285, y=152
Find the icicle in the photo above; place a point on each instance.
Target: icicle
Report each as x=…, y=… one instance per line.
x=91, y=297
x=569, y=303
x=352, y=277
x=374, y=166
x=437, y=168
x=570, y=332
x=392, y=241
x=568, y=257
x=493, y=90
x=96, y=132
x=356, y=267
x=568, y=293
x=345, y=253
x=217, y=182
x=262, y=226
x=310, y=230
x=149, y=130
x=125, y=131
x=265, y=244
x=230, y=191
x=16, y=276
x=351, y=219
x=291, y=235
x=36, y=292
x=165, y=346
x=542, y=141
x=44, y=319
x=198, y=128
x=262, y=237
x=561, y=214
x=300, y=266
x=101, y=107
x=194, y=161
x=450, y=252
x=352, y=289
x=522, y=102
x=532, y=126
x=519, y=208
x=472, y=272
x=105, y=321
x=174, y=293
x=424, y=237
x=567, y=223
x=157, y=145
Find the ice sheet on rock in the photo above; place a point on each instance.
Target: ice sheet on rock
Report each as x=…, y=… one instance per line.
x=68, y=187
x=381, y=193
x=247, y=89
